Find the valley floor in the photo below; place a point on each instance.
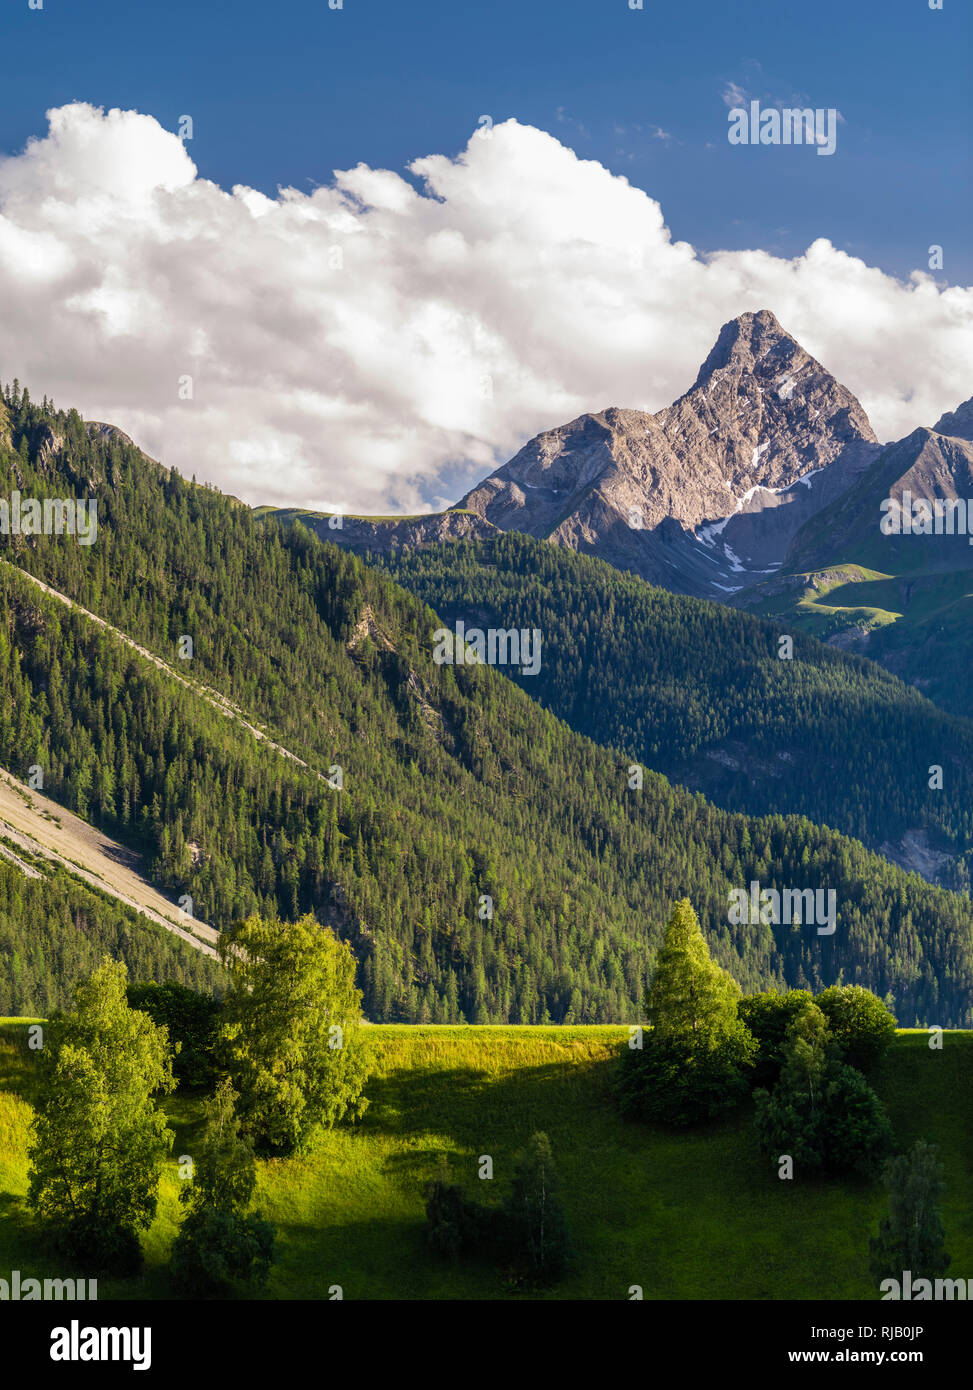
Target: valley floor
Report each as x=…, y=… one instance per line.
x=688, y=1216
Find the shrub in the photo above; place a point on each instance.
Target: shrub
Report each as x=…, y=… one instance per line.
x=456, y=1223
x=219, y=1252
x=768, y=1017
x=681, y=1082
x=822, y=1112
x=857, y=1131
x=861, y=1024
x=191, y=1019
x=100, y=1246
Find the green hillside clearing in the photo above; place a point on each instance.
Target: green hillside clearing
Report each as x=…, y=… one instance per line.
x=687, y=1216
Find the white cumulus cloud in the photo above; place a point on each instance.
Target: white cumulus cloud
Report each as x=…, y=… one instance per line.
x=376, y=348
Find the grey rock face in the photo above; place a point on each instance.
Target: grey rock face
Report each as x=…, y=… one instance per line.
x=958, y=422
x=704, y=497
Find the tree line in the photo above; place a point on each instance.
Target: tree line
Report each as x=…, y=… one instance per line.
x=54, y=930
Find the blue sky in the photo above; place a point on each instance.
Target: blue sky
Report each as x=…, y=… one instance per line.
x=282, y=94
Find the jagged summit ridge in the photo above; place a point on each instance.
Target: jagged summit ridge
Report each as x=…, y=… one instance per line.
x=958, y=423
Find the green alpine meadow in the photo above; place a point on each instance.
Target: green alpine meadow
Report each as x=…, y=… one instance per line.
x=692, y=1215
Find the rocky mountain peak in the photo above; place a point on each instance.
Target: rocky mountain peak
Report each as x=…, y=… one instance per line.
x=764, y=429
x=703, y=497
x=743, y=341
x=774, y=411
x=958, y=422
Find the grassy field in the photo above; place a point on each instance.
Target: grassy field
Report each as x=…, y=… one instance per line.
x=696, y=1215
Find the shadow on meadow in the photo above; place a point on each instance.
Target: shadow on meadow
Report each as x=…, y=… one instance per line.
x=16, y=1232
x=18, y=1062
x=690, y=1214
x=465, y=1103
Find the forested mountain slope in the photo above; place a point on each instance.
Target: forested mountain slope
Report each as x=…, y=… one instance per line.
x=698, y=691
x=455, y=784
